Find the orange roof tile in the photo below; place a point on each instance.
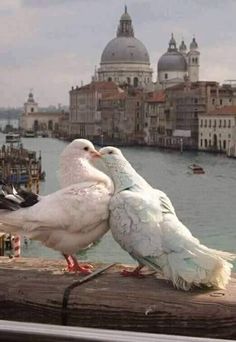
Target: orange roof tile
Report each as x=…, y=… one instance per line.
x=156, y=96
x=226, y=110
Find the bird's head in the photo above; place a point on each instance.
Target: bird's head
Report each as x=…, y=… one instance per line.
x=111, y=154
x=81, y=148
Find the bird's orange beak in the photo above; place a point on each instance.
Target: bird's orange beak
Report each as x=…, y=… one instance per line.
x=95, y=154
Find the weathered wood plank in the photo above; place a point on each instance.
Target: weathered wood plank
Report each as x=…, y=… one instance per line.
x=32, y=290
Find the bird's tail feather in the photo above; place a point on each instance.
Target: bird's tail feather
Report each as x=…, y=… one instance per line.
x=201, y=266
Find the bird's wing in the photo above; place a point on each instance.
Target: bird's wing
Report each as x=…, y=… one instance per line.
x=165, y=203
x=76, y=208
x=135, y=223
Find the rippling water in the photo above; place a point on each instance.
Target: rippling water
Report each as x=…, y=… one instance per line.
x=205, y=203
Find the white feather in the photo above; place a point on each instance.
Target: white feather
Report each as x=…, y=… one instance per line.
x=143, y=221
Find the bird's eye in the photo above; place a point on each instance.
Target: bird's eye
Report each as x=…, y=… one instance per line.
x=86, y=148
x=110, y=152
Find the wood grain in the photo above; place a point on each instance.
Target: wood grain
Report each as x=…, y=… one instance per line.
x=32, y=290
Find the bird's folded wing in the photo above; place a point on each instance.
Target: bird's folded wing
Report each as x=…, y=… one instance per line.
x=165, y=203
x=76, y=208
x=138, y=218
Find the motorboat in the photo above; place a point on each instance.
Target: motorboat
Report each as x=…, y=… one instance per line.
x=13, y=138
x=197, y=169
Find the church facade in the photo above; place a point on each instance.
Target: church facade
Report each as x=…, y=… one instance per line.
x=178, y=65
x=125, y=60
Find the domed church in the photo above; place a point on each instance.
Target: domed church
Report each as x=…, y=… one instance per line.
x=177, y=65
x=125, y=59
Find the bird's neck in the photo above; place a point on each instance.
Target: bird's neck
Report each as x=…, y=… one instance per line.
x=78, y=170
x=125, y=177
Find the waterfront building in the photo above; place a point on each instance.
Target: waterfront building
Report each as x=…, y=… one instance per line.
x=34, y=120
x=185, y=102
x=217, y=130
x=85, y=114
x=177, y=65
x=155, y=118
x=122, y=117
x=125, y=59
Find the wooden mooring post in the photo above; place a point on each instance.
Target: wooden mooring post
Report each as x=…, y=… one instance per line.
x=34, y=290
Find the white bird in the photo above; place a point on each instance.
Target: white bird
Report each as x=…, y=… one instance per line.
x=69, y=219
x=144, y=223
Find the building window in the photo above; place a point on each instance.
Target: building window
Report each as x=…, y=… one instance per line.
x=209, y=134
x=209, y=123
x=32, y=110
x=50, y=125
x=205, y=142
x=224, y=144
x=135, y=81
x=220, y=124
x=229, y=125
x=205, y=123
x=214, y=123
x=166, y=76
x=109, y=79
x=213, y=101
x=221, y=101
x=201, y=123
x=195, y=100
x=229, y=136
x=224, y=123
x=201, y=142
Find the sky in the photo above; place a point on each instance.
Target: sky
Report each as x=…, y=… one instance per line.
x=51, y=45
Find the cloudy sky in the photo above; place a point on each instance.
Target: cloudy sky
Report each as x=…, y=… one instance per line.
x=50, y=45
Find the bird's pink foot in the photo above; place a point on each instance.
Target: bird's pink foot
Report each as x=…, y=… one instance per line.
x=80, y=269
x=87, y=266
x=74, y=266
x=135, y=273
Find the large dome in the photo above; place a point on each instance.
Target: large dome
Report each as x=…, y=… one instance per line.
x=172, y=61
x=125, y=50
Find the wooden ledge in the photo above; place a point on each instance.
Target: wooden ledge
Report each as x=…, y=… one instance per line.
x=32, y=290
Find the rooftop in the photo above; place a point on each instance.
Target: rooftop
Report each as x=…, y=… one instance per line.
x=226, y=110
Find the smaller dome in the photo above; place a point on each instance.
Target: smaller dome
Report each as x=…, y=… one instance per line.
x=172, y=61
x=193, y=44
x=31, y=97
x=182, y=46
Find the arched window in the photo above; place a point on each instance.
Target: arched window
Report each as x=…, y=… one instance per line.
x=135, y=81
x=50, y=125
x=36, y=125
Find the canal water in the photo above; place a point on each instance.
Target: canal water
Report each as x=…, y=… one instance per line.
x=206, y=204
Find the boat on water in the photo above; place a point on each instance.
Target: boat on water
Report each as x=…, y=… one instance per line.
x=30, y=134
x=196, y=169
x=12, y=138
